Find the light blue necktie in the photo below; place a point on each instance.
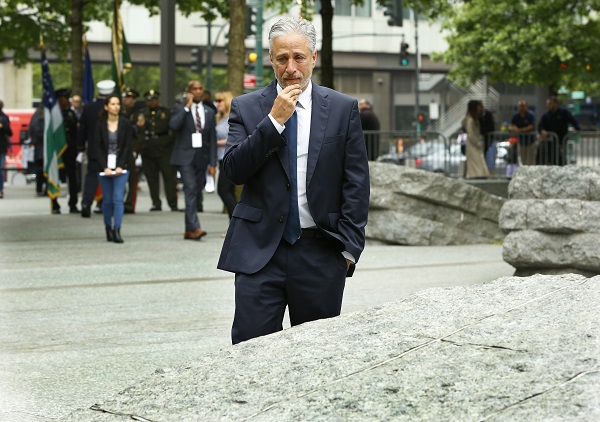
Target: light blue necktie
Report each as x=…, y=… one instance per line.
x=292, y=230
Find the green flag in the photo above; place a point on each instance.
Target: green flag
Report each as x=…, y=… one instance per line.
x=55, y=141
x=121, y=60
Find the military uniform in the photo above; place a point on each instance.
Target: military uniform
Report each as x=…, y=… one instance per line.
x=155, y=143
x=131, y=114
x=70, y=122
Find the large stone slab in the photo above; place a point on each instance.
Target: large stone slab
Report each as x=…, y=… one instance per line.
x=551, y=215
x=415, y=207
x=530, y=249
x=552, y=182
x=553, y=220
x=513, y=349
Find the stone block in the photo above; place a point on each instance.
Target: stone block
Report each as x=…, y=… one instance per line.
x=415, y=207
x=537, y=250
x=513, y=349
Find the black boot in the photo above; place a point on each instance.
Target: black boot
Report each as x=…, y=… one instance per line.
x=110, y=234
x=117, y=237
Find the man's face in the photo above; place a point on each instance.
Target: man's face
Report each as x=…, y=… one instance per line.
x=63, y=102
x=292, y=60
x=152, y=103
x=550, y=104
x=197, y=91
x=76, y=102
x=523, y=108
x=128, y=101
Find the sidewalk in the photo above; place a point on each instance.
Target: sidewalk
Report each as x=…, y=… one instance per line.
x=81, y=319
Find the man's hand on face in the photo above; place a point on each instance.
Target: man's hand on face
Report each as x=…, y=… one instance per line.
x=285, y=103
x=189, y=100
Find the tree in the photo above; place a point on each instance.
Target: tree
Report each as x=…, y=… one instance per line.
x=236, y=49
x=23, y=21
x=545, y=43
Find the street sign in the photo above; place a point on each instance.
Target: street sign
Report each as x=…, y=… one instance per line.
x=577, y=95
x=249, y=81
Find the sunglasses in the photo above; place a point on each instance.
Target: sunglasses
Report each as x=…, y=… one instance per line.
x=219, y=100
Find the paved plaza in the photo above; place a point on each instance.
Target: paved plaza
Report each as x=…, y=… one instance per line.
x=81, y=318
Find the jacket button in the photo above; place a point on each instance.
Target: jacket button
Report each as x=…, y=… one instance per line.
x=281, y=219
x=288, y=186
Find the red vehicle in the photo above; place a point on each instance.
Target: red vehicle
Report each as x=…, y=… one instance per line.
x=19, y=123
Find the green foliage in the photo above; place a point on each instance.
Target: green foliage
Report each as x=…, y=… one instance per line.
x=521, y=41
x=142, y=78
x=22, y=22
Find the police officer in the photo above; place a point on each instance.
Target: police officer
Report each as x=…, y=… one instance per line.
x=131, y=109
x=156, y=145
x=70, y=123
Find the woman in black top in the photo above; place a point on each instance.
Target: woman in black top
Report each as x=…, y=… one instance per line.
x=115, y=136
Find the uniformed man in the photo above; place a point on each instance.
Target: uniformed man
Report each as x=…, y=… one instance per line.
x=131, y=109
x=70, y=124
x=155, y=143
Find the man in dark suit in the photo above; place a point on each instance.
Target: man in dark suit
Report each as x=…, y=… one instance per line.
x=86, y=140
x=70, y=154
x=298, y=229
x=194, y=153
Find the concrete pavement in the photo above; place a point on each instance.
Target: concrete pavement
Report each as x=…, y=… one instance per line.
x=81, y=318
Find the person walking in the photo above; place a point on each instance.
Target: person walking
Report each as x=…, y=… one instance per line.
x=5, y=133
x=115, y=135
x=36, y=131
x=156, y=147
x=131, y=109
x=69, y=156
x=225, y=188
x=86, y=142
x=476, y=167
x=195, y=152
x=299, y=227
x=369, y=122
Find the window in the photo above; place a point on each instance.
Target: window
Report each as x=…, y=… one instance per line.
x=346, y=8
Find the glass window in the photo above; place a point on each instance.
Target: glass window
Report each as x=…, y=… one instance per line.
x=342, y=8
x=363, y=10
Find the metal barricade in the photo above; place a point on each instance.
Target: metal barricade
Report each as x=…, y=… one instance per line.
x=422, y=150
x=582, y=148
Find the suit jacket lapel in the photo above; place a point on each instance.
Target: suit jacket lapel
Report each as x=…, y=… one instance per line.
x=318, y=124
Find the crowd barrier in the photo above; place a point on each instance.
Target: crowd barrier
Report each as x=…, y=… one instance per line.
x=432, y=151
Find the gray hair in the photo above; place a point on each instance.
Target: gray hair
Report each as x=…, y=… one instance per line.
x=288, y=25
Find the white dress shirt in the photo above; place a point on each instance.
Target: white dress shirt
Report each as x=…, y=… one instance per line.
x=200, y=108
x=304, y=110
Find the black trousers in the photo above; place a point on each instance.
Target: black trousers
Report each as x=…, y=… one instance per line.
x=71, y=171
x=308, y=277
x=90, y=185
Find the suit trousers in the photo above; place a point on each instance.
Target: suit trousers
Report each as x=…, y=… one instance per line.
x=152, y=167
x=71, y=170
x=308, y=277
x=91, y=183
x=527, y=154
x=132, y=184
x=193, y=177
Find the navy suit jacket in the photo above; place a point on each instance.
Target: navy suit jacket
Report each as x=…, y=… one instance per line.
x=337, y=179
x=182, y=123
